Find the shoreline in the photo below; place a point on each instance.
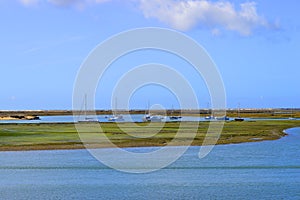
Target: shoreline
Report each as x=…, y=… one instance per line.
x=80, y=146
x=19, y=117
x=244, y=112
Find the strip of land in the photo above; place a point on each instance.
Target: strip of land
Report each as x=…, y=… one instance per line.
x=20, y=137
x=246, y=113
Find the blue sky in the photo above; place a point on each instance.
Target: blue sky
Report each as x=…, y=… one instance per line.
x=255, y=45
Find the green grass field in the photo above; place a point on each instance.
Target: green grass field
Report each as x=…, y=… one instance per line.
x=65, y=136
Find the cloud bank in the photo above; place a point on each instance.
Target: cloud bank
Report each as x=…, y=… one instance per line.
x=185, y=15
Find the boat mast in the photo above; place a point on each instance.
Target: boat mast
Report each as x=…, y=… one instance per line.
x=116, y=106
x=148, y=107
x=239, y=110
x=210, y=110
x=85, y=105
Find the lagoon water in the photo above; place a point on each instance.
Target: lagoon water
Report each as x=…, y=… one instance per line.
x=260, y=170
x=127, y=118
x=100, y=118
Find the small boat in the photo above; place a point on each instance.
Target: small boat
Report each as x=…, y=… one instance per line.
x=209, y=111
x=175, y=117
x=146, y=117
x=116, y=118
x=209, y=117
x=156, y=118
x=152, y=118
x=239, y=119
x=86, y=118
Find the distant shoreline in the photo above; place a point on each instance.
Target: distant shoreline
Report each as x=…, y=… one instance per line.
x=19, y=117
x=246, y=113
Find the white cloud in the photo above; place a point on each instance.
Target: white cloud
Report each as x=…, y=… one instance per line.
x=218, y=15
x=187, y=14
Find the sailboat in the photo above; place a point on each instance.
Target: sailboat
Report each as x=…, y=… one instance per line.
x=292, y=113
x=174, y=117
x=211, y=116
x=239, y=119
x=86, y=118
x=152, y=118
x=116, y=117
x=147, y=116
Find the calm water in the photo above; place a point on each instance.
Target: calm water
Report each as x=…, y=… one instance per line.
x=263, y=170
x=127, y=118
x=101, y=118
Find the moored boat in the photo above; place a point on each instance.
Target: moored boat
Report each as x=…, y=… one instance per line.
x=175, y=117
x=116, y=118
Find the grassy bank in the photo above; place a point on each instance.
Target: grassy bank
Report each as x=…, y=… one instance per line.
x=64, y=135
